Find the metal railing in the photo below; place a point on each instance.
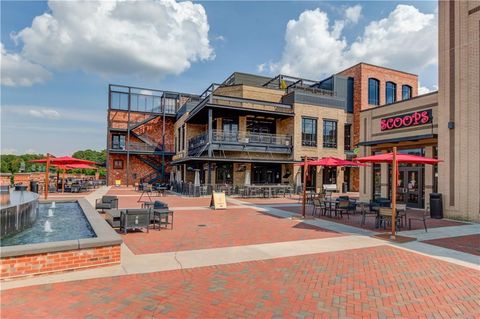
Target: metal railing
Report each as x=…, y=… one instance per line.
x=251, y=104
x=144, y=147
x=241, y=137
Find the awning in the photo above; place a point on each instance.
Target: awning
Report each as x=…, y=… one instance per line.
x=398, y=139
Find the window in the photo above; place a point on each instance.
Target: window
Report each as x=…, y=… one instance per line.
x=390, y=92
x=329, y=175
x=329, y=134
x=406, y=92
x=309, y=132
x=373, y=92
x=347, y=137
x=118, y=142
x=170, y=105
x=118, y=164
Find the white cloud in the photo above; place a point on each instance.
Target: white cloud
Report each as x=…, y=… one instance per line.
x=18, y=71
x=354, y=13
x=153, y=38
x=425, y=90
x=45, y=113
x=9, y=151
x=42, y=112
x=261, y=67
x=314, y=48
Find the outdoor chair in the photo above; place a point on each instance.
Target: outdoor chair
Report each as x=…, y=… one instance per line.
x=343, y=208
x=106, y=202
x=317, y=205
x=134, y=219
x=385, y=217
x=422, y=218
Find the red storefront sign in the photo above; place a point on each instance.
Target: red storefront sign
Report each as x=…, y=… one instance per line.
x=406, y=120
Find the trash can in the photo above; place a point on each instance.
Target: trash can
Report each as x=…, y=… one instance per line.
x=34, y=186
x=436, y=205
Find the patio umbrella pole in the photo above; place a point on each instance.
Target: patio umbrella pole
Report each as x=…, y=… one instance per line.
x=304, y=202
x=394, y=192
x=47, y=169
x=63, y=180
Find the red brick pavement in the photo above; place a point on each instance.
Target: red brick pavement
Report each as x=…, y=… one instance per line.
x=467, y=244
x=379, y=282
x=222, y=228
x=355, y=220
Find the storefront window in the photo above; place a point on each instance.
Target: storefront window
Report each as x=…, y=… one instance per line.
x=224, y=174
x=309, y=131
x=267, y=173
x=329, y=175
x=329, y=134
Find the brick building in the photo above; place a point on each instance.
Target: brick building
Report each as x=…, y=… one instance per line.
x=367, y=77
x=140, y=138
x=450, y=131
x=249, y=127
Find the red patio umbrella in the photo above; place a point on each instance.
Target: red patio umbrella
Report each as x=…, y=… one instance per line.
x=330, y=161
x=324, y=161
x=394, y=158
x=62, y=161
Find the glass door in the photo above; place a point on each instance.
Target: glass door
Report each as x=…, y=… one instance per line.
x=410, y=186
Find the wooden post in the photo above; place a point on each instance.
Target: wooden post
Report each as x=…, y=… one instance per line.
x=47, y=169
x=394, y=192
x=304, y=201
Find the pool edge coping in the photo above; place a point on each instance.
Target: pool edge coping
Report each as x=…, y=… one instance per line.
x=105, y=237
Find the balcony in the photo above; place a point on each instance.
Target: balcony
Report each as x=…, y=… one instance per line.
x=242, y=141
x=143, y=148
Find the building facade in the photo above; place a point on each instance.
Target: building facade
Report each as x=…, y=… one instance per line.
x=374, y=86
x=459, y=110
x=443, y=124
x=249, y=128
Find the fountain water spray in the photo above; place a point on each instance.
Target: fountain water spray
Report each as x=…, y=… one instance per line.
x=53, y=205
x=47, y=227
x=50, y=212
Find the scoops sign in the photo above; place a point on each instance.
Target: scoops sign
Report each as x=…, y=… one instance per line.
x=406, y=120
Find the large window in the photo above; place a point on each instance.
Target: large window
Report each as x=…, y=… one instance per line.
x=390, y=92
x=406, y=92
x=309, y=131
x=329, y=134
x=373, y=92
x=118, y=142
x=347, y=137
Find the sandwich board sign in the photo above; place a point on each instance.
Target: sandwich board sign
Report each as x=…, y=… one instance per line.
x=218, y=200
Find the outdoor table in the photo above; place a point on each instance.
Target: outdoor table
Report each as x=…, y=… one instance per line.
x=332, y=205
x=165, y=217
x=147, y=204
x=161, y=191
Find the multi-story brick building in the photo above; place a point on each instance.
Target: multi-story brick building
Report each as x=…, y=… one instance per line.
x=373, y=86
x=140, y=137
x=253, y=128
x=249, y=127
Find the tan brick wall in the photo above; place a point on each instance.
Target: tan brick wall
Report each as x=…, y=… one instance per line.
x=458, y=102
x=37, y=264
x=251, y=92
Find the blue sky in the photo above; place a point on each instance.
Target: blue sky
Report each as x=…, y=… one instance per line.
x=55, y=72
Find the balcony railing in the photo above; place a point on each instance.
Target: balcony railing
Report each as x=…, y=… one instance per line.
x=143, y=147
x=242, y=138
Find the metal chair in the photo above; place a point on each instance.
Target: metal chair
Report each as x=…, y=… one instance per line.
x=423, y=218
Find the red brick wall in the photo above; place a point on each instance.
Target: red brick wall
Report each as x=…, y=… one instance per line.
x=361, y=73
x=59, y=261
x=138, y=168
x=152, y=130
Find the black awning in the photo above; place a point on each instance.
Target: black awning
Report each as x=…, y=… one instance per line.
x=235, y=160
x=397, y=140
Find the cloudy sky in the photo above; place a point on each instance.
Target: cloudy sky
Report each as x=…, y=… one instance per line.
x=59, y=57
